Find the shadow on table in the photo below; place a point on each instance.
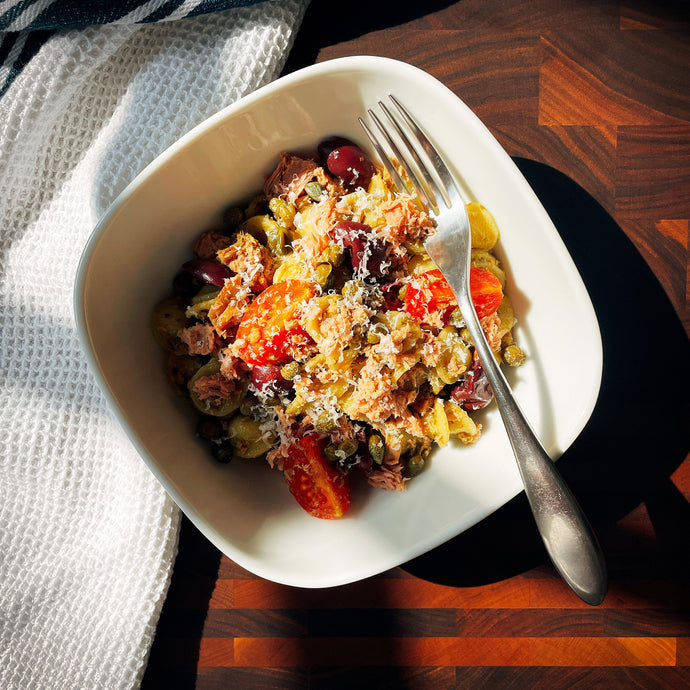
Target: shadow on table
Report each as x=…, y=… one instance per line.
x=639, y=432
x=322, y=27
x=175, y=651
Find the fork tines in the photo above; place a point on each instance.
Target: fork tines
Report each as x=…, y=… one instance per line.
x=400, y=153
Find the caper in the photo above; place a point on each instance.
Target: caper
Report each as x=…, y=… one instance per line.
x=415, y=465
x=331, y=452
x=514, y=355
x=348, y=448
x=337, y=452
x=314, y=190
x=376, y=448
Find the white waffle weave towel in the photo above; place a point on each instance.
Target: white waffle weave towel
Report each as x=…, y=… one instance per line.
x=87, y=535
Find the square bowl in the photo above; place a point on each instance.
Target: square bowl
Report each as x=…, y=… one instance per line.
x=245, y=508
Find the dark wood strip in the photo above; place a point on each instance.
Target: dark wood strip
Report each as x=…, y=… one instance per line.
x=389, y=623
x=367, y=623
x=622, y=593
x=683, y=652
x=256, y=623
x=652, y=622
x=410, y=651
x=383, y=678
x=439, y=651
x=438, y=678
x=575, y=678
x=530, y=622
x=251, y=679
x=646, y=14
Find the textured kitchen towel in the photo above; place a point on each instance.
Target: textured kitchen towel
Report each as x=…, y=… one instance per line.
x=25, y=25
x=87, y=535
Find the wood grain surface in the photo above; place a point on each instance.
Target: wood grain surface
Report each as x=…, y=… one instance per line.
x=592, y=99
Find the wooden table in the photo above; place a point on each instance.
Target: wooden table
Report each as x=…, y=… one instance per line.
x=593, y=101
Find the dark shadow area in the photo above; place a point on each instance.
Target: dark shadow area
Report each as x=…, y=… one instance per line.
x=174, y=653
x=639, y=431
x=325, y=26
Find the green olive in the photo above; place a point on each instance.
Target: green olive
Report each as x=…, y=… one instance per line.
x=226, y=407
x=180, y=369
x=167, y=318
x=247, y=438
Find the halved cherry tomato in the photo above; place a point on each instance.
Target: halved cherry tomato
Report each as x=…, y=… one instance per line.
x=429, y=292
x=270, y=325
x=314, y=481
x=486, y=291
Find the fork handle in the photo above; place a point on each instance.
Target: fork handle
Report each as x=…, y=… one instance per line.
x=567, y=535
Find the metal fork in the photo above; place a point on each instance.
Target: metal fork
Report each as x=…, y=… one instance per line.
x=567, y=535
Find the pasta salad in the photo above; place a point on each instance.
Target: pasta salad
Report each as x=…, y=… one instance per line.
x=311, y=329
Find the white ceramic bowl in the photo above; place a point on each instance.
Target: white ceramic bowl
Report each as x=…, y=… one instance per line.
x=244, y=508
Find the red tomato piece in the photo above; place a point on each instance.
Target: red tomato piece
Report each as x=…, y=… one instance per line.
x=429, y=292
x=314, y=481
x=486, y=291
x=270, y=325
